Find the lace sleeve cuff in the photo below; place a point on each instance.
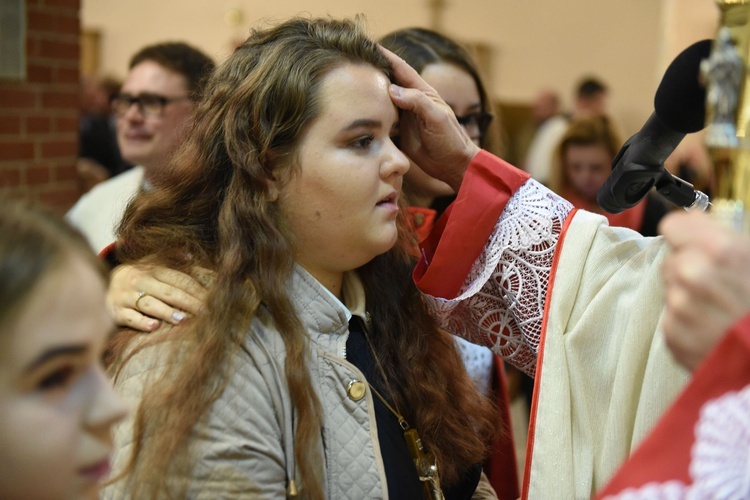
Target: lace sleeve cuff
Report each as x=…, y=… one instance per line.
x=501, y=301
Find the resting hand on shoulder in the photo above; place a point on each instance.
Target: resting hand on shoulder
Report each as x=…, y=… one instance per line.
x=141, y=297
x=706, y=284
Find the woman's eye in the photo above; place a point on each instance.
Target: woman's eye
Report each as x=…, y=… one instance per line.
x=58, y=378
x=363, y=142
x=396, y=140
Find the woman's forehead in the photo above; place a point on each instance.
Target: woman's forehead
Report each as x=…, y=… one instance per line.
x=356, y=90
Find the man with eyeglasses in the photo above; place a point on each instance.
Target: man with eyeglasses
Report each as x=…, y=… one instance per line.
x=154, y=108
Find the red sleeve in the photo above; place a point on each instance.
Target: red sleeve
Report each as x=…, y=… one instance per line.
x=109, y=256
x=462, y=232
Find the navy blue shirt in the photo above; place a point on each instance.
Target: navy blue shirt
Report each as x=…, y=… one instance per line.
x=400, y=471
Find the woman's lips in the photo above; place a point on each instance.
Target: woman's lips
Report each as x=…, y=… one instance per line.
x=96, y=471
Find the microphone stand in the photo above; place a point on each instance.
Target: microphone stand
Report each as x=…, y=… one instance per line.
x=681, y=193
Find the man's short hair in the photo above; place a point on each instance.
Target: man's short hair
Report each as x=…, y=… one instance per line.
x=181, y=58
x=590, y=86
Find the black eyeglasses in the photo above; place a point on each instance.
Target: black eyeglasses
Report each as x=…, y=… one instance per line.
x=480, y=119
x=150, y=105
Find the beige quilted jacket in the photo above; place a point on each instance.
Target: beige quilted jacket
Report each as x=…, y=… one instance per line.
x=246, y=448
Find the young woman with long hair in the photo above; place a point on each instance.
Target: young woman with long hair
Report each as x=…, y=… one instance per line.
x=316, y=352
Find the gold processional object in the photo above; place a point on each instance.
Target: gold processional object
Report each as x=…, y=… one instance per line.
x=728, y=113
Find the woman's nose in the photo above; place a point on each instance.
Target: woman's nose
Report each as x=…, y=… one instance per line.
x=105, y=407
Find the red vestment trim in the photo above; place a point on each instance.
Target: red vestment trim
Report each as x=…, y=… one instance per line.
x=461, y=233
x=540, y=359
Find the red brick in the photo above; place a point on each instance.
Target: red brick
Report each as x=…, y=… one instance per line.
x=60, y=99
x=66, y=124
x=42, y=20
x=59, y=149
x=38, y=125
x=73, y=5
x=33, y=47
x=37, y=175
x=39, y=20
x=69, y=24
x=11, y=97
x=20, y=150
x=38, y=73
x=10, y=125
x=67, y=75
x=59, y=196
x=57, y=49
x=66, y=173
x=10, y=177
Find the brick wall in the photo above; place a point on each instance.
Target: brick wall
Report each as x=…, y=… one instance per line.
x=39, y=116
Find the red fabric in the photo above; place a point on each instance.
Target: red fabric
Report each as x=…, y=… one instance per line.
x=540, y=360
x=107, y=251
x=422, y=220
x=462, y=232
x=501, y=467
x=665, y=454
x=631, y=218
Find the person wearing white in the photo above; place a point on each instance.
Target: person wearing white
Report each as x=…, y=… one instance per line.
x=542, y=148
x=163, y=83
x=99, y=211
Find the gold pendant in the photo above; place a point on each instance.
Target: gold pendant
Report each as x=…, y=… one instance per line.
x=426, y=465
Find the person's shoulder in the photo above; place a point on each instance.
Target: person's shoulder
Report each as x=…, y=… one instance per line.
x=558, y=122
x=263, y=341
x=131, y=178
x=124, y=183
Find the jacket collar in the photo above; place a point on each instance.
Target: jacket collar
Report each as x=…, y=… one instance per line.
x=322, y=313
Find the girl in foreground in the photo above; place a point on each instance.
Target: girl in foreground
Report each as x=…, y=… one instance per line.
x=316, y=368
x=447, y=67
x=57, y=407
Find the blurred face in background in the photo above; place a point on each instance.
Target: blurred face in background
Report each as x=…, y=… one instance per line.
x=586, y=168
x=147, y=136
x=57, y=406
x=459, y=90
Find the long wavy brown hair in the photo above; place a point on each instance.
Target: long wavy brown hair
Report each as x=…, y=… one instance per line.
x=216, y=209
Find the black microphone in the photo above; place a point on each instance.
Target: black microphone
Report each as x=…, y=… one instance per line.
x=680, y=108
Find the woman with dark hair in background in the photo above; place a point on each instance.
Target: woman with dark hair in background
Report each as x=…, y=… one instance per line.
x=449, y=68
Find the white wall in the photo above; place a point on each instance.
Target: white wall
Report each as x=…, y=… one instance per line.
x=536, y=44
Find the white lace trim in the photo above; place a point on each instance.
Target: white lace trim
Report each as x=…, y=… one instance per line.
x=501, y=304
x=720, y=456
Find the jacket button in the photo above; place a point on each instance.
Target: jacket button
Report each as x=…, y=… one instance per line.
x=355, y=390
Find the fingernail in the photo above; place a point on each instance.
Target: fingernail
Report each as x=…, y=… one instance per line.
x=152, y=325
x=178, y=316
x=396, y=91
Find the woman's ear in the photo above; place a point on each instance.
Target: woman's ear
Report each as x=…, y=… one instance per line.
x=273, y=190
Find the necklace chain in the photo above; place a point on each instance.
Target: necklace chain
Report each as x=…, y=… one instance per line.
x=397, y=412
x=424, y=461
